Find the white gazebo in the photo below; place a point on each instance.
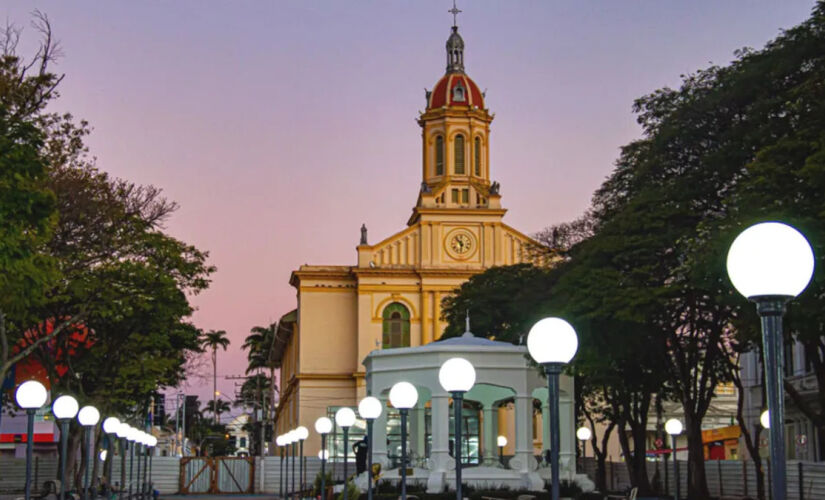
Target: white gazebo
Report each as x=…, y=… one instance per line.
x=503, y=376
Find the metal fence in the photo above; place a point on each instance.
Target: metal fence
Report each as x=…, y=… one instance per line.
x=165, y=473
x=726, y=478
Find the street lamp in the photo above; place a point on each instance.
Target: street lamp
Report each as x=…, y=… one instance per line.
x=153, y=442
x=64, y=409
x=583, y=434
x=345, y=417
x=770, y=263
x=403, y=396
x=501, y=441
x=302, y=433
x=292, y=440
x=122, y=431
x=765, y=419
x=131, y=434
x=674, y=428
x=138, y=453
x=144, y=441
x=552, y=342
x=279, y=441
x=369, y=408
x=323, y=426
x=88, y=416
x=110, y=427
x=457, y=376
x=30, y=396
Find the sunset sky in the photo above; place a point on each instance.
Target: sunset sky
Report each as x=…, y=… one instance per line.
x=281, y=127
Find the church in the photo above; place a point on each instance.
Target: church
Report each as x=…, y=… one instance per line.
x=391, y=297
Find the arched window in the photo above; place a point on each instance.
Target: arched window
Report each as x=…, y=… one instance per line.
x=459, y=154
x=439, y=155
x=396, y=326
x=477, y=156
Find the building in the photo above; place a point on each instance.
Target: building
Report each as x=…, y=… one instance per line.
x=803, y=441
x=391, y=297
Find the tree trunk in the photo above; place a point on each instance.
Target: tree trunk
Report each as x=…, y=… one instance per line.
x=635, y=460
x=215, y=384
x=697, y=480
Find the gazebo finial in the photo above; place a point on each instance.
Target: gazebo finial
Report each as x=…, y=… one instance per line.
x=467, y=332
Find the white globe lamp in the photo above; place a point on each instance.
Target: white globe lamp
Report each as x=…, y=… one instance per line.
x=111, y=425
x=403, y=395
x=501, y=441
x=370, y=408
x=88, y=416
x=345, y=417
x=765, y=419
x=323, y=426
x=770, y=259
x=65, y=407
x=323, y=454
x=302, y=433
x=457, y=375
x=552, y=340
x=583, y=434
x=31, y=395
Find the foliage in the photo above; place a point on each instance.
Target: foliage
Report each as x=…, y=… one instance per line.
x=503, y=302
x=350, y=492
x=27, y=207
x=316, y=485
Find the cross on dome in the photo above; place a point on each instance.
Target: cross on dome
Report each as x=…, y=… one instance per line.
x=455, y=12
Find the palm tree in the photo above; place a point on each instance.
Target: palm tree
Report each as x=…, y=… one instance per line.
x=212, y=340
x=222, y=407
x=261, y=346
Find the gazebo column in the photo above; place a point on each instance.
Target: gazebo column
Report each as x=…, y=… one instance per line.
x=523, y=459
x=379, y=436
x=440, y=451
x=489, y=432
x=545, y=425
x=418, y=431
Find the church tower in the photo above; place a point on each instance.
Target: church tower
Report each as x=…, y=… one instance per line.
x=455, y=137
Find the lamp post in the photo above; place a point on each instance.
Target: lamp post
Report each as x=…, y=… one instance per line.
x=501, y=441
x=301, y=433
x=457, y=376
x=131, y=433
x=122, y=431
x=88, y=416
x=323, y=426
x=583, y=434
x=30, y=396
x=279, y=442
x=403, y=396
x=110, y=427
x=153, y=442
x=292, y=440
x=138, y=453
x=552, y=342
x=770, y=263
x=144, y=441
x=64, y=409
x=674, y=428
x=369, y=408
x=345, y=417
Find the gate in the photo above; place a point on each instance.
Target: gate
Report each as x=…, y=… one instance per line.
x=216, y=475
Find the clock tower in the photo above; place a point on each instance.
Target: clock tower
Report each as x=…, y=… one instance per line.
x=392, y=296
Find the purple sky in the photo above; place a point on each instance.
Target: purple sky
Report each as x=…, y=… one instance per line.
x=280, y=127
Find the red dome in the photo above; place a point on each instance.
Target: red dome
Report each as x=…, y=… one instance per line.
x=456, y=89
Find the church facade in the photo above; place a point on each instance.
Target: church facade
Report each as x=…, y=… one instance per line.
x=392, y=296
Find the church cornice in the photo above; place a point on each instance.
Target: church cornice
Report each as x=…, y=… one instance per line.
x=415, y=218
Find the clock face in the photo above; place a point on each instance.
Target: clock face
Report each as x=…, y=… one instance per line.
x=461, y=244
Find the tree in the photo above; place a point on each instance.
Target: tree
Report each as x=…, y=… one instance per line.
x=27, y=207
x=212, y=340
x=216, y=407
x=260, y=344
